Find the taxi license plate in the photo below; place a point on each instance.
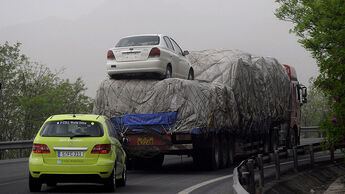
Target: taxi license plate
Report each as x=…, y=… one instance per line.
x=70, y=154
x=145, y=141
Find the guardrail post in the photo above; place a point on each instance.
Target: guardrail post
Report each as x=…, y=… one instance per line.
x=250, y=165
x=261, y=170
x=311, y=151
x=295, y=159
x=19, y=153
x=277, y=163
x=332, y=153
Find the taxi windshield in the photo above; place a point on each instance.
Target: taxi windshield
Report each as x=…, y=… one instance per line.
x=72, y=128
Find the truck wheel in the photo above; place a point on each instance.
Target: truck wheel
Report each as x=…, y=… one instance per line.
x=224, y=152
x=199, y=158
x=157, y=161
x=292, y=139
x=267, y=142
x=274, y=139
x=215, y=155
x=231, y=151
x=34, y=184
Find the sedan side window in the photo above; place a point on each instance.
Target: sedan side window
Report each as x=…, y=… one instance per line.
x=176, y=47
x=168, y=42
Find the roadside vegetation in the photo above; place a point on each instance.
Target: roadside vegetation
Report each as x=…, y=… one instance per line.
x=31, y=92
x=321, y=28
x=315, y=112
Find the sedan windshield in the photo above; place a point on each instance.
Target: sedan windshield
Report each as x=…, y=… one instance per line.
x=72, y=129
x=138, y=41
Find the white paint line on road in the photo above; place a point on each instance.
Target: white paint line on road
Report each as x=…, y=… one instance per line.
x=12, y=182
x=197, y=186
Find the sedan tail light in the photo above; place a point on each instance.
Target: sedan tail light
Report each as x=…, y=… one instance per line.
x=155, y=52
x=110, y=55
x=40, y=149
x=101, y=149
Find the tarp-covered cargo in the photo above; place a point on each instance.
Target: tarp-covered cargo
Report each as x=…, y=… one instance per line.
x=233, y=90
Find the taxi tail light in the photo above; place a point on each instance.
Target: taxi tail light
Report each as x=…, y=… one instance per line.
x=110, y=55
x=155, y=52
x=101, y=149
x=40, y=149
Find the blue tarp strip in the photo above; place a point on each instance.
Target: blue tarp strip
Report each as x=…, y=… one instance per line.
x=139, y=122
x=167, y=118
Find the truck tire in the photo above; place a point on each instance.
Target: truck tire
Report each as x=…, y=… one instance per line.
x=274, y=139
x=231, y=151
x=292, y=138
x=199, y=159
x=224, y=151
x=206, y=153
x=215, y=154
x=156, y=162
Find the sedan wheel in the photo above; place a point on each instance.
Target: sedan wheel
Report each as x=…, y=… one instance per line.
x=168, y=72
x=34, y=184
x=122, y=181
x=191, y=75
x=110, y=182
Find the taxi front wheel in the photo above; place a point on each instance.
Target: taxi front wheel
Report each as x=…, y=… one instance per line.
x=34, y=184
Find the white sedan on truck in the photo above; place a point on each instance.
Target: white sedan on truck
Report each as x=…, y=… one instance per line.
x=146, y=55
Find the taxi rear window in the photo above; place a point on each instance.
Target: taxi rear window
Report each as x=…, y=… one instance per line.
x=72, y=128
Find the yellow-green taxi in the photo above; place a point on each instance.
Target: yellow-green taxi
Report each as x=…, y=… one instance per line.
x=77, y=148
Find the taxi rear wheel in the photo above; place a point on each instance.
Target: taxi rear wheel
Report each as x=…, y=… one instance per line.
x=110, y=182
x=34, y=184
x=122, y=181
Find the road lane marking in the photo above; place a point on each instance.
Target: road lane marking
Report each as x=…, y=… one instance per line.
x=11, y=182
x=197, y=186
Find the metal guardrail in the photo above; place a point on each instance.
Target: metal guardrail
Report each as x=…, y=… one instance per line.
x=11, y=145
x=244, y=174
x=311, y=131
x=23, y=144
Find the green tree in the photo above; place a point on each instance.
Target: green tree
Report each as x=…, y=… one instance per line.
x=320, y=24
x=31, y=93
x=314, y=113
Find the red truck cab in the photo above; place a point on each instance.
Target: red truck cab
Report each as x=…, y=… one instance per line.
x=298, y=97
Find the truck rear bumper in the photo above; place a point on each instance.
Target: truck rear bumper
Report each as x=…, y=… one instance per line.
x=148, y=151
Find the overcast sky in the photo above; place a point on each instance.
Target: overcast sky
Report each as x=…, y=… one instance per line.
x=76, y=34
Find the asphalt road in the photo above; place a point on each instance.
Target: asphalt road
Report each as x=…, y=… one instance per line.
x=177, y=174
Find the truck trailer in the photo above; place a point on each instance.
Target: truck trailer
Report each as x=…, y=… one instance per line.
x=238, y=104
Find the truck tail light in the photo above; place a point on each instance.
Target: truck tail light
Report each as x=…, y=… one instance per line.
x=155, y=52
x=40, y=149
x=101, y=149
x=110, y=55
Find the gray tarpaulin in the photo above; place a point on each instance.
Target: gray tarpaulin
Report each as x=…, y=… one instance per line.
x=233, y=90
